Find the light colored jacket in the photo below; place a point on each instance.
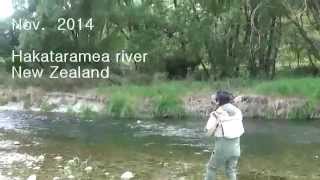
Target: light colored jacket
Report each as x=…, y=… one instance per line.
x=226, y=122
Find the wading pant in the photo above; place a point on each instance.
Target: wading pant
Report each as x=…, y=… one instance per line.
x=225, y=155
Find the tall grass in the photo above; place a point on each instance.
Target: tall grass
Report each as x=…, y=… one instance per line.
x=308, y=87
x=168, y=106
x=159, y=99
x=121, y=105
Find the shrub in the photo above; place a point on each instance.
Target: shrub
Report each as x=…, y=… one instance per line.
x=168, y=106
x=120, y=105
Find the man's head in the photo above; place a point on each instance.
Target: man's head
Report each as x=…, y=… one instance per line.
x=223, y=97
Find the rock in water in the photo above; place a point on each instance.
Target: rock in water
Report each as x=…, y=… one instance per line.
x=58, y=158
x=41, y=158
x=32, y=177
x=36, y=168
x=71, y=177
x=88, y=169
x=127, y=175
x=71, y=162
x=17, y=143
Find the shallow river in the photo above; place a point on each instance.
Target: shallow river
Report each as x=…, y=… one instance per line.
x=54, y=146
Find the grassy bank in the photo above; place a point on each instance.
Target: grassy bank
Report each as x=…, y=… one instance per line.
x=165, y=99
x=307, y=88
x=160, y=99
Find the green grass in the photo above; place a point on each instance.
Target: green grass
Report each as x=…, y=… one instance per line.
x=159, y=99
x=308, y=87
x=121, y=105
x=168, y=106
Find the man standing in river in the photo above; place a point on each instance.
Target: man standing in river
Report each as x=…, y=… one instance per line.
x=227, y=132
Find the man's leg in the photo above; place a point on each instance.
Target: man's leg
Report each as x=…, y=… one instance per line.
x=231, y=168
x=211, y=168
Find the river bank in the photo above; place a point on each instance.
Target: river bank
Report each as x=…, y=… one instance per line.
x=90, y=103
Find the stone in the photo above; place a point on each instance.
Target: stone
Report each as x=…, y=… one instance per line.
x=17, y=143
x=32, y=177
x=36, y=168
x=29, y=164
x=165, y=164
x=58, y=158
x=71, y=162
x=88, y=169
x=127, y=175
x=41, y=158
x=238, y=99
x=71, y=177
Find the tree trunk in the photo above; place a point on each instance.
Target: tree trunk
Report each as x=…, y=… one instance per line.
x=271, y=46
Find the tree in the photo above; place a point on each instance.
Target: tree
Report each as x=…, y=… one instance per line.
x=219, y=38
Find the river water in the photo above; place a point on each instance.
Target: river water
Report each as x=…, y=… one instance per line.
x=58, y=146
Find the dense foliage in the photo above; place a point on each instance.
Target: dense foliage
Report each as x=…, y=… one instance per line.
x=201, y=38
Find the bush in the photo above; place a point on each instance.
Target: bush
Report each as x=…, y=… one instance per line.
x=168, y=106
x=159, y=99
x=120, y=105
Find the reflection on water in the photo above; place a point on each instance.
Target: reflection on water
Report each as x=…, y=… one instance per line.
x=54, y=145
